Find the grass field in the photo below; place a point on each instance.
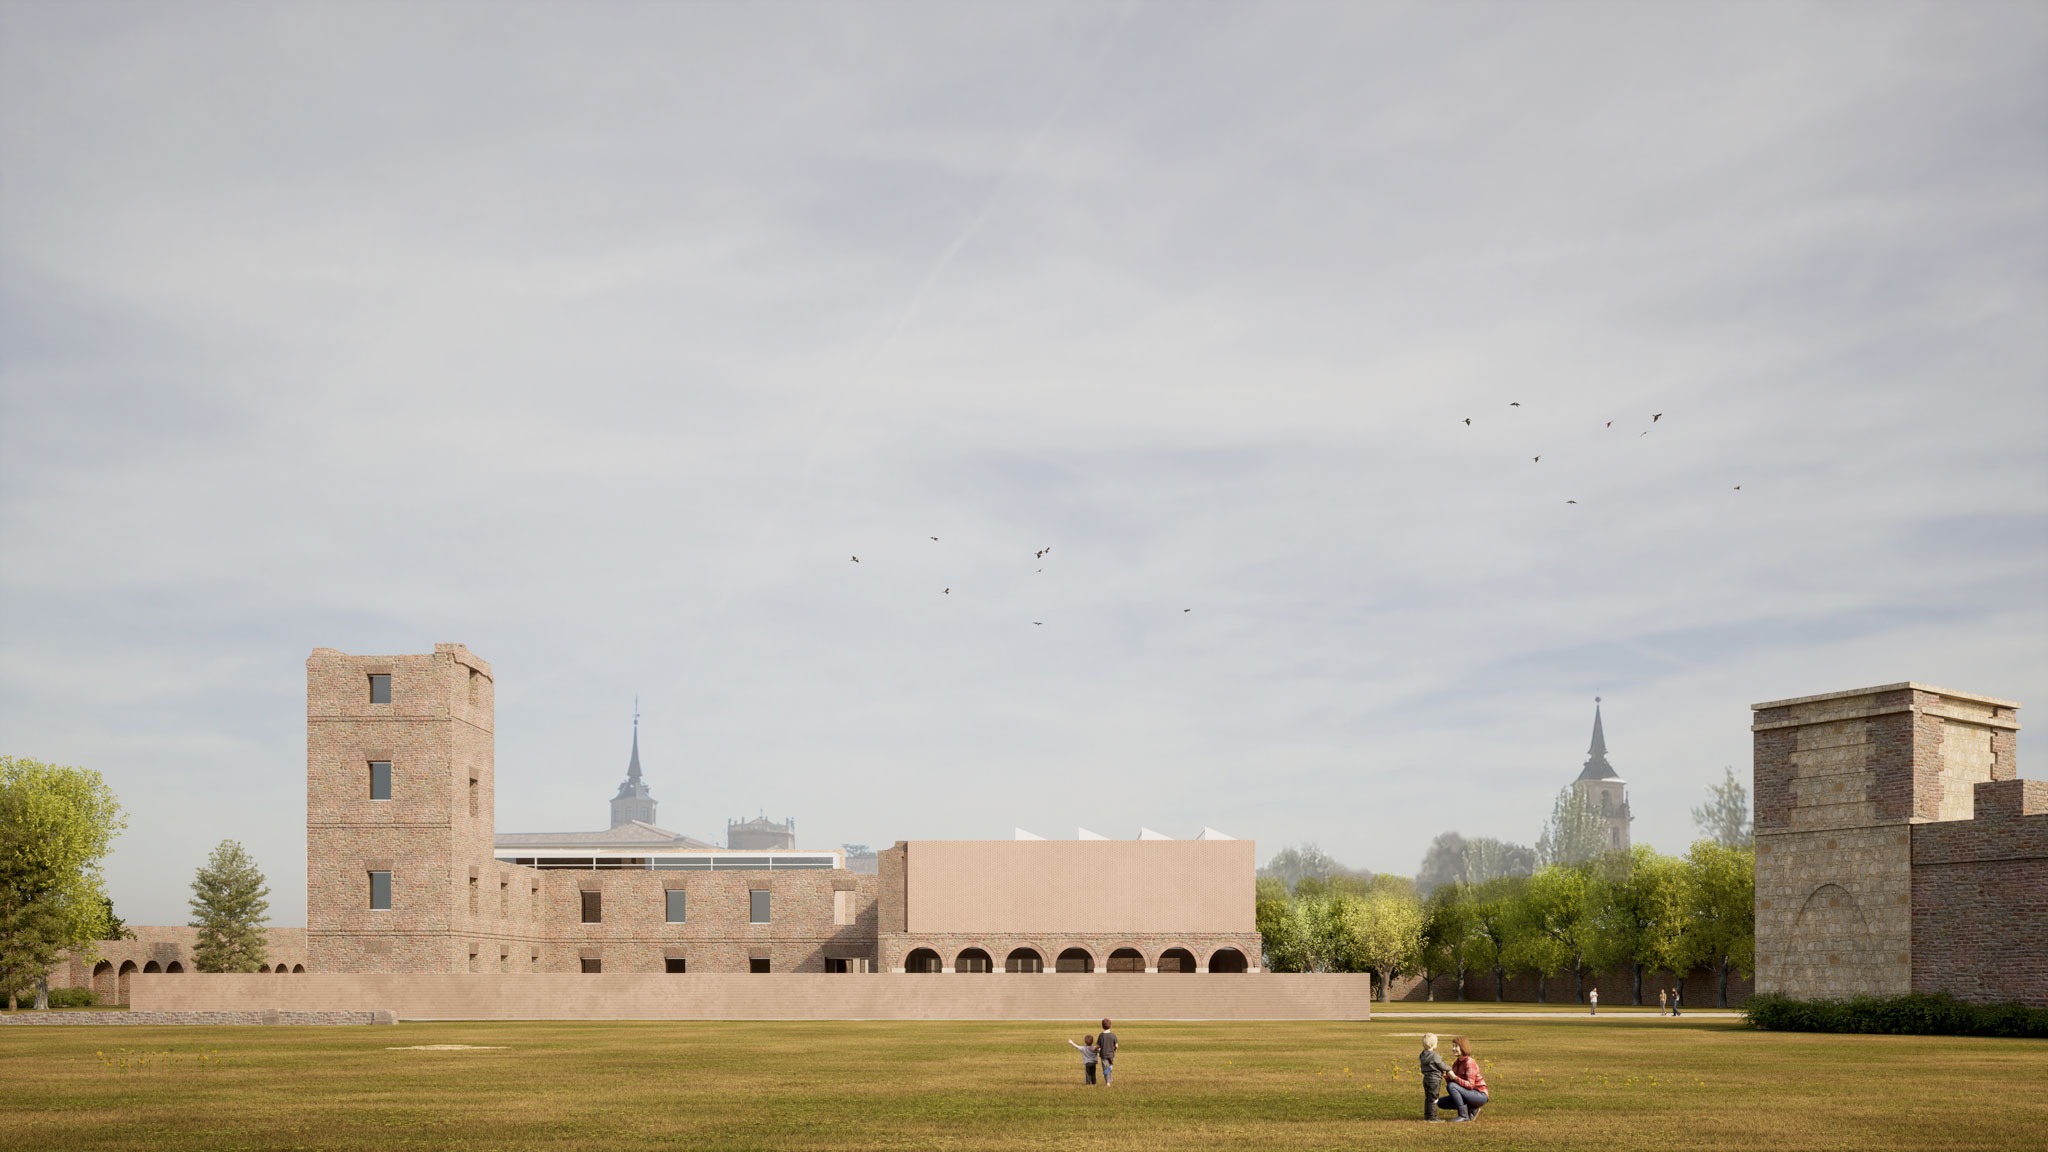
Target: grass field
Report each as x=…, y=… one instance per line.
x=1634, y=1081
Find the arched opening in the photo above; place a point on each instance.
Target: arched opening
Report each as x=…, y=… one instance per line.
x=128, y=968
x=1176, y=960
x=280, y=969
x=973, y=960
x=1074, y=960
x=300, y=968
x=152, y=966
x=1024, y=960
x=923, y=960
x=1228, y=960
x=1126, y=960
x=103, y=981
x=174, y=966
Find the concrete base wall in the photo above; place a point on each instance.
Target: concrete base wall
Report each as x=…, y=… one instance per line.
x=777, y=996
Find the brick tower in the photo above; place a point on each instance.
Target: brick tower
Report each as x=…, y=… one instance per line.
x=1842, y=783
x=398, y=810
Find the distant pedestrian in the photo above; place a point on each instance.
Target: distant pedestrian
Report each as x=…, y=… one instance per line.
x=1663, y=1002
x=1593, y=998
x=1089, y=1054
x=1674, y=1001
x=1105, y=1050
x=1433, y=1072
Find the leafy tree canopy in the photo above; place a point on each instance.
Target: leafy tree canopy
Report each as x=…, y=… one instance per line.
x=56, y=825
x=1724, y=818
x=229, y=905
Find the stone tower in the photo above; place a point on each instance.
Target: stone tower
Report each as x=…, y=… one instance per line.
x=1604, y=790
x=634, y=801
x=398, y=808
x=1844, y=784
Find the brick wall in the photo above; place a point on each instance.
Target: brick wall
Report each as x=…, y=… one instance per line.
x=163, y=949
x=1980, y=898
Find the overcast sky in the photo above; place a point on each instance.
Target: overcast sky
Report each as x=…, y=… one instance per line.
x=599, y=338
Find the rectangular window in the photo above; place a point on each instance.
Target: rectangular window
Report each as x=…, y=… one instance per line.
x=504, y=899
x=472, y=895
x=380, y=688
x=593, y=907
x=380, y=891
x=473, y=798
x=842, y=908
x=473, y=961
x=592, y=964
x=758, y=964
x=380, y=779
x=757, y=906
x=677, y=905
x=675, y=965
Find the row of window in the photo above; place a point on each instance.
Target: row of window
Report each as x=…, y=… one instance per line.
x=380, y=687
x=380, y=786
x=675, y=911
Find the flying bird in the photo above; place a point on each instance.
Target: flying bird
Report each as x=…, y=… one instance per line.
x=1646, y=432
x=856, y=559
x=1187, y=609
x=1738, y=487
x=935, y=537
x=1610, y=423
x=946, y=591
x=1571, y=501
x=1538, y=460
x=1468, y=419
x=1040, y=623
x=1514, y=403
x=1657, y=417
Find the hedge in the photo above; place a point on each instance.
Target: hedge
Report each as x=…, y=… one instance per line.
x=1915, y=1014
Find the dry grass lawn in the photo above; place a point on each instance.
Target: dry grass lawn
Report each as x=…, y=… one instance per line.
x=1630, y=1081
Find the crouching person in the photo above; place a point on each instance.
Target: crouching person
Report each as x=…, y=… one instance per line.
x=1467, y=1087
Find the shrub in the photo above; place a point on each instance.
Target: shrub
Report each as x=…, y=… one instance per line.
x=72, y=998
x=1915, y=1014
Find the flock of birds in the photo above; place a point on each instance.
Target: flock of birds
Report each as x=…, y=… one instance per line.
x=1654, y=417
x=1039, y=555
x=1042, y=553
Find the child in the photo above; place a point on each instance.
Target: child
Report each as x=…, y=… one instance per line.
x=1087, y=1047
x=1433, y=1072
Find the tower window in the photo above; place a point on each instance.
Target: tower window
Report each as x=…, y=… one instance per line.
x=380, y=688
x=592, y=964
x=677, y=905
x=757, y=964
x=593, y=907
x=675, y=965
x=380, y=891
x=757, y=906
x=475, y=801
x=380, y=779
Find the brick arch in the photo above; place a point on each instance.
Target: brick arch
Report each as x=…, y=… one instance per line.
x=923, y=960
x=1177, y=959
x=1021, y=957
x=1074, y=958
x=128, y=968
x=1124, y=958
x=174, y=966
x=1229, y=960
x=152, y=966
x=1830, y=929
x=298, y=969
x=974, y=960
x=103, y=985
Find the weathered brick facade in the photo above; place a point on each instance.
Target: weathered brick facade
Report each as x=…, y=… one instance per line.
x=1896, y=848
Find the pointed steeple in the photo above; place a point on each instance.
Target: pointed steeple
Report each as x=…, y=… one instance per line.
x=1597, y=767
x=634, y=801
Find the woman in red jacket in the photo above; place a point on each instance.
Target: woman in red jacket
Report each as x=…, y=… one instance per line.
x=1467, y=1087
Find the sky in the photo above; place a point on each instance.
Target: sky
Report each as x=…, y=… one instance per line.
x=600, y=338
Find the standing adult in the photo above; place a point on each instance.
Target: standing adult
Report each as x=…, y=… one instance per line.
x=1663, y=1002
x=1105, y=1051
x=1593, y=998
x=1674, y=1001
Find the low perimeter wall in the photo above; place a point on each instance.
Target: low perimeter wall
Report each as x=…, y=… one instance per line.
x=774, y=996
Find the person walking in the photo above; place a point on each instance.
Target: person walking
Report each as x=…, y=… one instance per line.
x=1674, y=1001
x=1593, y=998
x=1089, y=1054
x=1105, y=1050
x=1663, y=1002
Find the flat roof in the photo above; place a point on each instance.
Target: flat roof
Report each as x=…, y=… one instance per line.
x=1914, y=684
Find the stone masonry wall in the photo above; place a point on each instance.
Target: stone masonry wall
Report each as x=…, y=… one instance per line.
x=1980, y=898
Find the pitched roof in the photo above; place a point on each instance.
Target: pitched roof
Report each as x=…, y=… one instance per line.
x=1597, y=767
x=631, y=834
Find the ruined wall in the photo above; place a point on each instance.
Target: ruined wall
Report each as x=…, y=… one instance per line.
x=1980, y=898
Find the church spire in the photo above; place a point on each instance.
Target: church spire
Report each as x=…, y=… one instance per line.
x=634, y=801
x=1597, y=767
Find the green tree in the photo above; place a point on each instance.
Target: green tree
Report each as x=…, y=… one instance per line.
x=1638, y=906
x=229, y=905
x=56, y=825
x=1486, y=858
x=1575, y=833
x=1724, y=818
x=1446, y=935
x=1495, y=940
x=1271, y=913
x=1306, y=861
x=1722, y=908
x=1556, y=901
x=1382, y=933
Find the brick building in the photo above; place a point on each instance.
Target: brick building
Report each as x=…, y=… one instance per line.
x=405, y=874
x=1897, y=849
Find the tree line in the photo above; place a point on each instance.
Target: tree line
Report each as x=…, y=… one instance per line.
x=1492, y=908
x=57, y=823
